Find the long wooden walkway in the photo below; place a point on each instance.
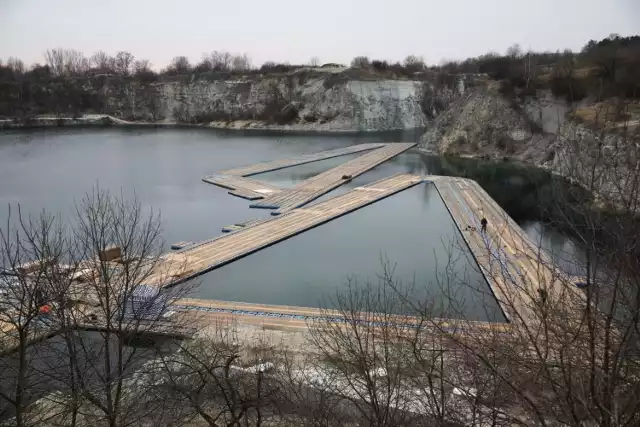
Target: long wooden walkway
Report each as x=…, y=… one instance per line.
x=235, y=179
x=515, y=267
x=321, y=184
x=294, y=317
x=209, y=255
x=299, y=160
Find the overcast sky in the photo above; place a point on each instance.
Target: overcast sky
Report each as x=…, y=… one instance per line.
x=296, y=30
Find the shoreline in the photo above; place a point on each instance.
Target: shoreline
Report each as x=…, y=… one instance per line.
x=105, y=121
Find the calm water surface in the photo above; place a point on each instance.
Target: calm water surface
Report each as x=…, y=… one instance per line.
x=412, y=230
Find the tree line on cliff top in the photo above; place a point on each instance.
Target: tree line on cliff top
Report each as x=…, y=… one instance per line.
x=70, y=63
x=617, y=58
x=67, y=80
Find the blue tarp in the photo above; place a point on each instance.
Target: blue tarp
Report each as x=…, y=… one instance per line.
x=146, y=302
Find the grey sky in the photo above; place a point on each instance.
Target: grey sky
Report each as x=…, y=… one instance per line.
x=296, y=30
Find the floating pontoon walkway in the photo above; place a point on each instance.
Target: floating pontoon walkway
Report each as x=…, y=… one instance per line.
x=318, y=185
x=515, y=267
x=299, y=160
x=209, y=255
x=242, y=187
x=293, y=317
x=235, y=179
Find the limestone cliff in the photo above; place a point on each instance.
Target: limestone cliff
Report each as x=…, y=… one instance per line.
x=297, y=101
x=484, y=122
x=481, y=122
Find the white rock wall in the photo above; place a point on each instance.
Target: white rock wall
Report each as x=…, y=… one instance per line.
x=344, y=106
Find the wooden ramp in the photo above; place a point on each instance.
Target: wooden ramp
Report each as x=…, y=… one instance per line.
x=321, y=184
x=179, y=266
x=299, y=160
x=514, y=266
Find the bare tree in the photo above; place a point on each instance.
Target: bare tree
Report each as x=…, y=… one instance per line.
x=530, y=68
x=225, y=61
x=123, y=63
x=179, y=65
x=125, y=302
x=314, y=61
x=514, y=51
x=142, y=66
x=204, y=65
x=103, y=62
x=15, y=64
x=54, y=58
x=366, y=354
x=240, y=62
x=414, y=63
x=30, y=249
x=221, y=61
x=360, y=62
x=66, y=62
x=225, y=378
x=101, y=280
x=76, y=63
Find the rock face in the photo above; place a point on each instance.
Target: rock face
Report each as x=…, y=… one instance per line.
x=485, y=123
x=480, y=122
x=294, y=102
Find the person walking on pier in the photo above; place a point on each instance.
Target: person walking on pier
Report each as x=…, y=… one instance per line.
x=483, y=224
x=543, y=295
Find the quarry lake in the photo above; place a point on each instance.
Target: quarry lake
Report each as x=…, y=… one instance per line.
x=411, y=230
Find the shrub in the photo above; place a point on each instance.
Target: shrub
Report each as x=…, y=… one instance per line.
x=287, y=115
x=146, y=76
x=311, y=117
x=272, y=67
x=380, y=65
x=360, y=62
x=413, y=64
x=334, y=80
x=571, y=88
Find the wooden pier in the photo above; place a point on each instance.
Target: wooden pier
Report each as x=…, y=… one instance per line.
x=209, y=255
x=516, y=268
x=235, y=179
x=321, y=184
x=519, y=274
x=299, y=160
x=299, y=318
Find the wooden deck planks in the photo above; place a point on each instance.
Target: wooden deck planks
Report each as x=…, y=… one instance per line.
x=300, y=317
x=200, y=258
x=321, y=184
x=299, y=160
x=513, y=265
x=242, y=187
